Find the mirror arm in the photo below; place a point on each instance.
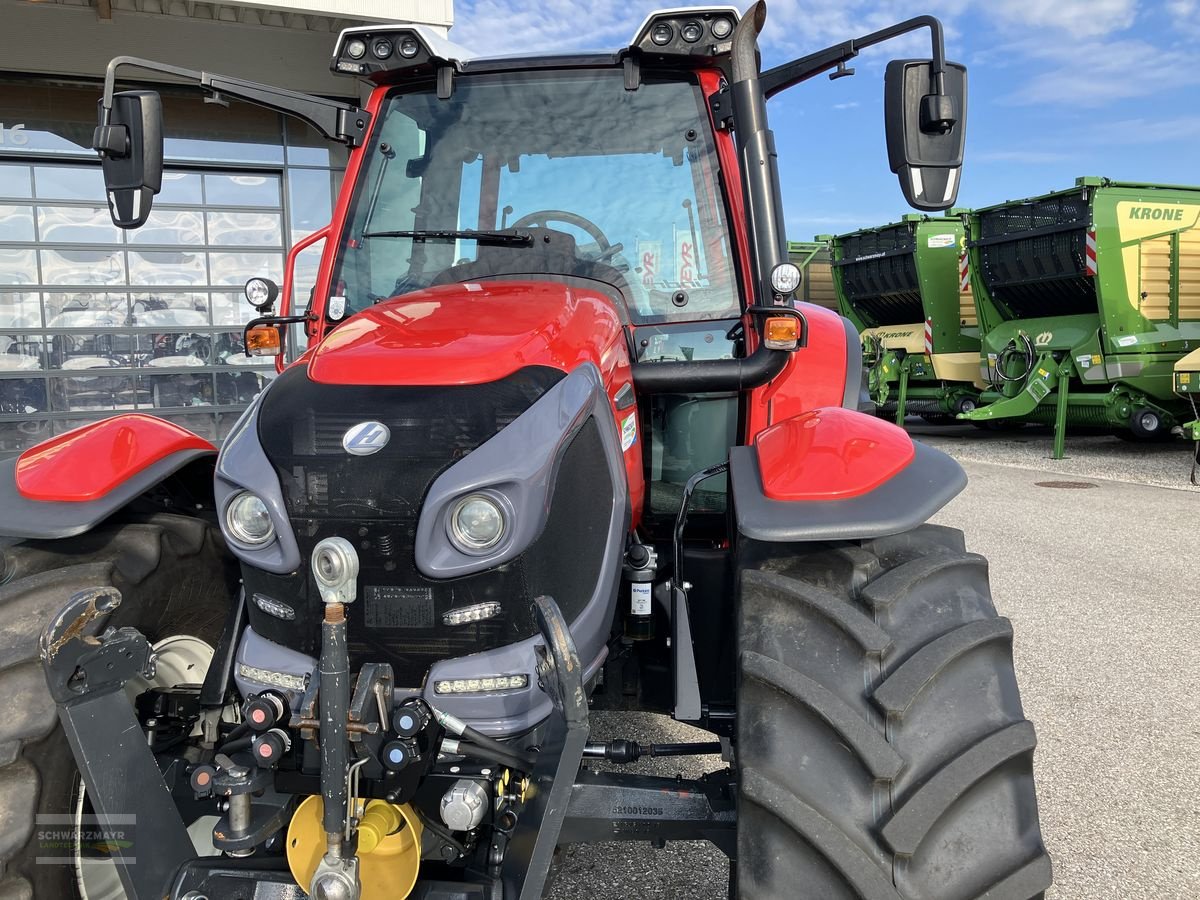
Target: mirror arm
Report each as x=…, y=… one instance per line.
x=334, y=120
x=792, y=73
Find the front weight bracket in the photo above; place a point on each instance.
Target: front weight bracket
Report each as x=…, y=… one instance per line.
x=86, y=670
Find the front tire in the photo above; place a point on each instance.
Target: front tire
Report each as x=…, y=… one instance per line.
x=175, y=578
x=882, y=748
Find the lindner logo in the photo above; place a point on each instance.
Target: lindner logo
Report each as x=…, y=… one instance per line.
x=366, y=438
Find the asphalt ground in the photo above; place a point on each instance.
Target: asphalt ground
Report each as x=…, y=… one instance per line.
x=1099, y=583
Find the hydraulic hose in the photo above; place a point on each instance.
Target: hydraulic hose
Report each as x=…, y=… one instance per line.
x=514, y=760
x=1007, y=353
x=480, y=741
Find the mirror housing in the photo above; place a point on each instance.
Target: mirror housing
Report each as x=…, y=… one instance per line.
x=129, y=140
x=926, y=129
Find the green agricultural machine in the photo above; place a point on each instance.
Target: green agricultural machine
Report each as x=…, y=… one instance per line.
x=1086, y=300
x=902, y=287
x=816, y=282
x=1187, y=386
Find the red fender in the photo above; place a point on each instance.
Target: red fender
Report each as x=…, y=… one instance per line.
x=814, y=377
x=89, y=462
x=830, y=454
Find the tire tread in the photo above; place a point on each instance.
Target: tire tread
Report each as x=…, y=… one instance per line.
x=887, y=654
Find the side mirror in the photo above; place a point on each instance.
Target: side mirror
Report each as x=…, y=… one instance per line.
x=129, y=140
x=926, y=130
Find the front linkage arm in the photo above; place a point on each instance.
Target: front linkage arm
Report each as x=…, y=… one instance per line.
x=86, y=671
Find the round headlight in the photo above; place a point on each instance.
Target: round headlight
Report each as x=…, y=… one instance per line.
x=691, y=31
x=409, y=48
x=785, y=278
x=662, y=33
x=247, y=519
x=722, y=28
x=261, y=292
x=355, y=49
x=382, y=49
x=477, y=523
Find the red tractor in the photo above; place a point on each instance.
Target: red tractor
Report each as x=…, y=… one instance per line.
x=561, y=438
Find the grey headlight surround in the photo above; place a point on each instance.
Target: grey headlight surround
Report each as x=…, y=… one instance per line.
x=243, y=466
x=518, y=465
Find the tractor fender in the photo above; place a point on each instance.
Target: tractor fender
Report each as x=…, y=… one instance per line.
x=69, y=484
x=837, y=474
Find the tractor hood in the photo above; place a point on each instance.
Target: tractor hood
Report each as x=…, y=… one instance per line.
x=470, y=333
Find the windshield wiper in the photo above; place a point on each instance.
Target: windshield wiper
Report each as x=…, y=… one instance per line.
x=500, y=238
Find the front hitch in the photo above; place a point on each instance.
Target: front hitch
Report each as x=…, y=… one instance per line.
x=86, y=670
x=535, y=835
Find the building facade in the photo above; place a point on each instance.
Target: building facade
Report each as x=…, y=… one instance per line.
x=95, y=320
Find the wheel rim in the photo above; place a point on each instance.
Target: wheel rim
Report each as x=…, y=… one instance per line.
x=966, y=406
x=1148, y=422
x=180, y=659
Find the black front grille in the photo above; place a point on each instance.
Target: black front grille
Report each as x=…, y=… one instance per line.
x=374, y=501
x=302, y=424
x=878, y=271
x=1033, y=256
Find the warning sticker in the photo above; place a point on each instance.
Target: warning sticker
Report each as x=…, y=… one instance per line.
x=1084, y=360
x=941, y=240
x=628, y=431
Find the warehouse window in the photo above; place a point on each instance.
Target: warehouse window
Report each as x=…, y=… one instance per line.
x=95, y=320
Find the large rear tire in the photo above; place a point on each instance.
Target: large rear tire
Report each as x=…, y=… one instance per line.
x=175, y=578
x=882, y=748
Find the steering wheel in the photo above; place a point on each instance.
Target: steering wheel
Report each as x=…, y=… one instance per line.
x=543, y=217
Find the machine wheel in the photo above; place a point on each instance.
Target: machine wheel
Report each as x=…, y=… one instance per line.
x=1146, y=424
x=882, y=750
x=965, y=404
x=175, y=578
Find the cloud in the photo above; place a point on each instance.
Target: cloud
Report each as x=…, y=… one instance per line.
x=1096, y=73
x=1132, y=132
x=1184, y=16
x=802, y=26
x=1099, y=135
x=1079, y=18
x=794, y=27
x=853, y=104
x=499, y=27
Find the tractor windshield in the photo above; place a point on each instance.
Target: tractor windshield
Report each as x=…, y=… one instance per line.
x=565, y=174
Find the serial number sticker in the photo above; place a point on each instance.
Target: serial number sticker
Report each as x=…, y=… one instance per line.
x=392, y=606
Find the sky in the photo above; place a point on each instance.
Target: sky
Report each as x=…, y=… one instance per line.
x=1057, y=89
